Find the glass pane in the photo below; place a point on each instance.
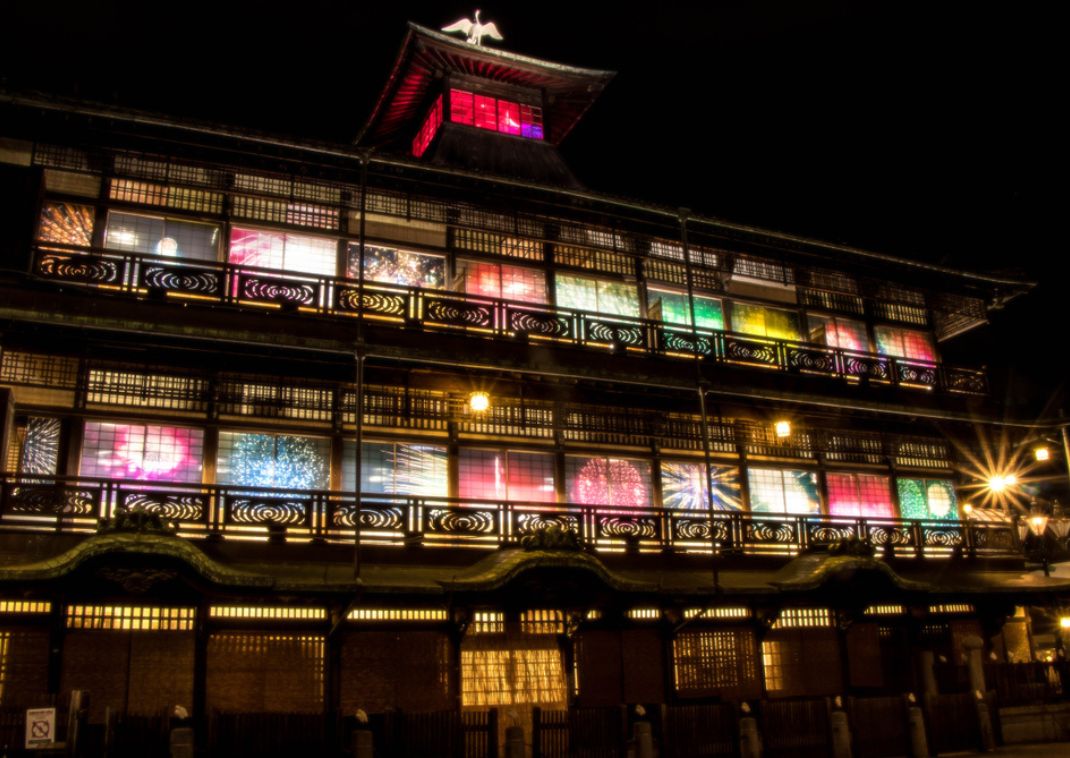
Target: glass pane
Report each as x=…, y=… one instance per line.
x=398, y=469
x=508, y=117
x=67, y=224
x=838, y=332
x=683, y=486
x=482, y=475
x=486, y=112
x=608, y=481
x=254, y=247
x=860, y=495
x=904, y=343
x=483, y=279
x=783, y=491
x=618, y=298
x=40, y=446
x=136, y=451
x=390, y=265
x=765, y=322
x=461, y=108
x=526, y=285
x=167, y=238
x=748, y=319
x=310, y=255
x=927, y=499
x=670, y=307
x=577, y=293
x=782, y=325
x=531, y=477
x=273, y=460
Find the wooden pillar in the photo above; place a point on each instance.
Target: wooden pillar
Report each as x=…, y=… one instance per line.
x=57, y=630
x=7, y=426
x=200, y=677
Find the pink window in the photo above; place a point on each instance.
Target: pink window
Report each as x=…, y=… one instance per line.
x=506, y=475
x=904, y=343
x=486, y=112
x=461, y=109
x=531, y=121
x=142, y=451
x=429, y=128
x=508, y=282
x=860, y=496
x=508, y=117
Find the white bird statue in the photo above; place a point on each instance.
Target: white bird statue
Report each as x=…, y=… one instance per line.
x=476, y=30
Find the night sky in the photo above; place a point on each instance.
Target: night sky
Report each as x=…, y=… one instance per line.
x=926, y=130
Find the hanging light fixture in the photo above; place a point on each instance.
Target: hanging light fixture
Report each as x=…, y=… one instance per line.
x=782, y=429
x=479, y=401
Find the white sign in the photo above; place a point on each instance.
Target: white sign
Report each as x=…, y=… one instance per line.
x=40, y=727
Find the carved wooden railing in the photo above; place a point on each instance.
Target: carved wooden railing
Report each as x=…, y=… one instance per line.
x=77, y=504
x=436, y=310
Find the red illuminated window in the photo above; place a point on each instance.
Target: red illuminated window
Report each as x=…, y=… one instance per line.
x=860, y=495
x=492, y=114
x=428, y=130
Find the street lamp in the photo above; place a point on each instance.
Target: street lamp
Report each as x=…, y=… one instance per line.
x=1038, y=525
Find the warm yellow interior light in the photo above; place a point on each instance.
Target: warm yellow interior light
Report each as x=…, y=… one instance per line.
x=1041, y=453
x=479, y=401
x=1000, y=482
x=782, y=428
x=1064, y=622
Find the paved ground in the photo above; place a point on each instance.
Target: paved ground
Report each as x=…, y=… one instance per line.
x=1041, y=750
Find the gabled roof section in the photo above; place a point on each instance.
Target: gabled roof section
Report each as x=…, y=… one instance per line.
x=427, y=55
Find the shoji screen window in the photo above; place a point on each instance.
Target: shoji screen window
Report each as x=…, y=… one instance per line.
x=608, y=481
x=506, y=475
x=142, y=451
x=775, y=490
x=860, y=495
x=281, y=250
x=925, y=499
x=391, y=265
x=398, y=468
x=273, y=460
x=844, y=333
x=904, y=343
x=497, y=280
x=597, y=296
x=683, y=486
x=760, y=321
x=674, y=308
x=164, y=237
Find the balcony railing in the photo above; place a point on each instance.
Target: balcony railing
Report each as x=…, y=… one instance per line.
x=76, y=504
x=436, y=310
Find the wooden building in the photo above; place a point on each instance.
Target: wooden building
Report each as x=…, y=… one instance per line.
x=610, y=453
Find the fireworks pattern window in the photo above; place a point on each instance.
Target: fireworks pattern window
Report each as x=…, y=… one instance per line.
x=142, y=451
x=904, y=343
x=674, y=308
x=506, y=475
x=597, y=296
x=683, y=486
x=526, y=285
x=608, y=481
x=860, y=495
x=273, y=460
x=844, y=333
x=496, y=115
x=391, y=265
x=39, y=451
x=783, y=491
x=927, y=499
x=168, y=238
x=66, y=224
x=761, y=321
x=284, y=251
x=398, y=468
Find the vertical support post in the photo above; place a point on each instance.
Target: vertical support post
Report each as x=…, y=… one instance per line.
x=200, y=678
x=57, y=630
x=1066, y=449
x=358, y=453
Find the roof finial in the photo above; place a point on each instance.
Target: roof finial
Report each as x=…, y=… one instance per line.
x=474, y=29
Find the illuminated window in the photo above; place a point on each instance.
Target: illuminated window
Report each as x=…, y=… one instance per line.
x=390, y=265
x=710, y=660
x=860, y=495
x=506, y=475
x=39, y=450
x=904, y=343
x=926, y=499
x=644, y=614
x=168, y=238
x=802, y=618
x=398, y=614
x=783, y=491
x=718, y=613
x=493, y=114
x=542, y=621
x=397, y=468
x=496, y=675
x=66, y=224
x=951, y=608
x=835, y=331
x=488, y=622
x=142, y=451
x=25, y=606
x=260, y=612
x=683, y=486
x=526, y=285
x=181, y=198
x=608, y=481
x=885, y=610
x=429, y=129
x=597, y=296
x=760, y=321
x=273, y=460
x=674, y=308
x=283, y=251
x=130, y=618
